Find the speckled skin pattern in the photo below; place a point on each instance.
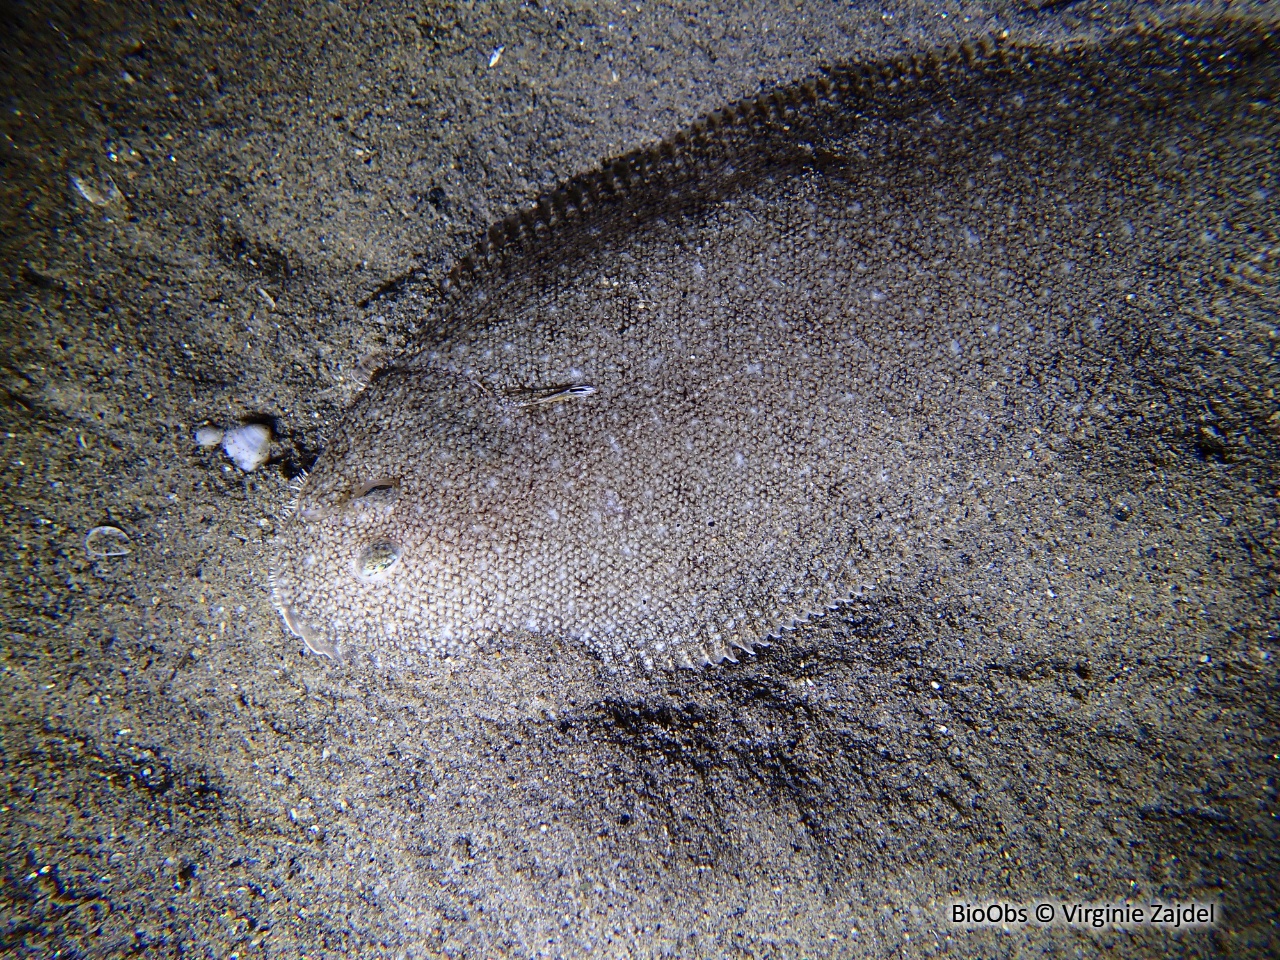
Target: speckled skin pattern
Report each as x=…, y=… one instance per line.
x=824, y=335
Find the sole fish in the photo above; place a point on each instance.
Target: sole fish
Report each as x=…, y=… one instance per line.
x=801, y=350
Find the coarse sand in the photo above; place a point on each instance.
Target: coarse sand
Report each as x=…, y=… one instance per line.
x=210, y=212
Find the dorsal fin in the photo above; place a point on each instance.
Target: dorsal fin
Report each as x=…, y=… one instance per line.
x=702, y=162
x=720, y=152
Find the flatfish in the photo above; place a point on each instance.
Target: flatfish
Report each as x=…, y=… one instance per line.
x=715, y=388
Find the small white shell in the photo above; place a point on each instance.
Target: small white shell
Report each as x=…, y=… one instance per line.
x=106, y=542
x=248, y=446
x=99, y=194
x=208, y=437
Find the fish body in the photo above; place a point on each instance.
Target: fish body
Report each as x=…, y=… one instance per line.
x=718, y=388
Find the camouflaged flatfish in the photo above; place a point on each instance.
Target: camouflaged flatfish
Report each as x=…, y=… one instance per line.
x=793, y=354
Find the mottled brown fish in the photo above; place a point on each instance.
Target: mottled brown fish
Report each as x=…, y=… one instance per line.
x=793, y=354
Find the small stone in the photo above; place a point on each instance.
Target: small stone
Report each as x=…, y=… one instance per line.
x=208, y=437
x=248, y=446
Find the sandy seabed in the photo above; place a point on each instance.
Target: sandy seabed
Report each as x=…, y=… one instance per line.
x=205, y=210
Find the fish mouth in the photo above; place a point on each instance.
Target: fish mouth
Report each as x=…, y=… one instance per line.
x=299, y=627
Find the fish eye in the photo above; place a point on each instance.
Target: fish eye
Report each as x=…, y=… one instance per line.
x=376, y=561
x=376, y=493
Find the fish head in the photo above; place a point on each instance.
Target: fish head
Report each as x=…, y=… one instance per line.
x=397, y=533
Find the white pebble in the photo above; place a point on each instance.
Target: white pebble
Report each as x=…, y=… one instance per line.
x=208, y=437
x=248, y=446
